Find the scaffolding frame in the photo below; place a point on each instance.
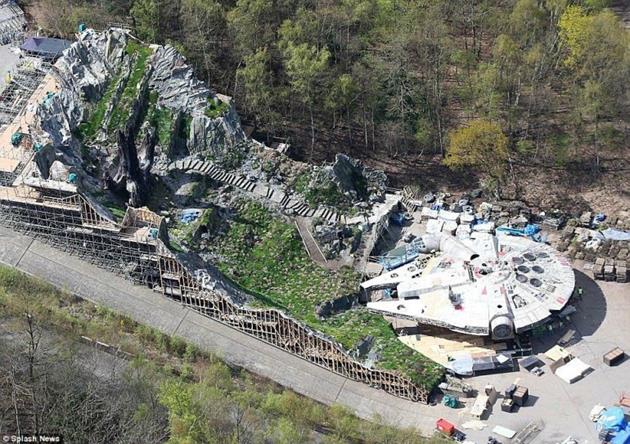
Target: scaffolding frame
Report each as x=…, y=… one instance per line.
x=69, y=222
x=12, y=22
x=24, y=81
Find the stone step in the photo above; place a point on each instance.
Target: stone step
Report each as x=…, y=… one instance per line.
x=187, y=164
x=249, y=186
x=206, y=168
x=196, y=165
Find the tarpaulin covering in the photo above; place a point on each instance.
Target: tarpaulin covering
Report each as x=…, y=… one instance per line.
x=622, y=437
x=612, y=419
x=614, y=234
x=572, y=371
x=463, y=365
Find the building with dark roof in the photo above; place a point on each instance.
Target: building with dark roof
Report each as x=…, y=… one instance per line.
x=45, y=47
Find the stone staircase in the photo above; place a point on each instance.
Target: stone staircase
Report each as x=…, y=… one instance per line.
x=284, y=200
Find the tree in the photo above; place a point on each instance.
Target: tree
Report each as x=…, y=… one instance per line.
x=184, y=417
x=204, y=25
x=146, y=16
x=480, y=145
x=257, y=81
x=253, y=25
x=306, y=65
x=341, y=99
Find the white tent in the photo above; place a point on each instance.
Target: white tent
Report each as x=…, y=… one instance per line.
x=573, y=370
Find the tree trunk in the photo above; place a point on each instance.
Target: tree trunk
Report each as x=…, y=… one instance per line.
x=310, y=112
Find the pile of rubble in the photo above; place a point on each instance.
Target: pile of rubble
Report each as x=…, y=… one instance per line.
x=596, y=239
x=607, y=249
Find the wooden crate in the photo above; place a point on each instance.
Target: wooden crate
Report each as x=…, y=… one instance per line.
x=520, y=395
x=614, y=356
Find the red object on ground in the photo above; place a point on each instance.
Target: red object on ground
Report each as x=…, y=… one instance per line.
x=445, y=427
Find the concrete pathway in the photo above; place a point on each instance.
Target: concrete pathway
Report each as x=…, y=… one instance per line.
x=310, y=244
x=602, y=322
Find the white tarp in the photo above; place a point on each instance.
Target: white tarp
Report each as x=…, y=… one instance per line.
x=448, y=216
x=449, y=227
x=556, y=352
x=479, y=407
x=485, y=227
x=504, y=431
x=574, y=370
x=434, y=226
x=428, y=213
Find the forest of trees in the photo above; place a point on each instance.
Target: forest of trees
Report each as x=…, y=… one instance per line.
x=398, y=77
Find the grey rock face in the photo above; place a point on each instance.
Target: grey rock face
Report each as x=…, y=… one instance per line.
x=359, y=182
x=89, y=63
x=180, y=90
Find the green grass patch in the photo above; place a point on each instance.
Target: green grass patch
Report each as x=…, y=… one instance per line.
x=118, y=212
x=324, y=195
x=209, y=220
x=89, y=128
x=121, y=111
x=266, y=257
x=327, y=193
x=301, y=182
x=216, y=108
x=161, y=119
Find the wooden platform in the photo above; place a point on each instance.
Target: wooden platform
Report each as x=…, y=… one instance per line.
x=448, y=344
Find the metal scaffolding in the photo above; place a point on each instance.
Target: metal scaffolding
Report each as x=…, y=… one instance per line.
x=24, y=81
x=12, y=21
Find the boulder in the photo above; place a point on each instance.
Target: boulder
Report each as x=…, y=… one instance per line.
x=58, y=171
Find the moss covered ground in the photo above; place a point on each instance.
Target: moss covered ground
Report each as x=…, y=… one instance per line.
x=89, y=128
x=265, y=256
x=216, y=108
x=141, y=55
x=120, y=113
x=161, y=119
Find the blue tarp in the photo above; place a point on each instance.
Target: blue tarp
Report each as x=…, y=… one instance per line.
x=612, y=419
x=397, y=218
x=614, y=234
x=622, y=437
x=530, y=230
x=189, y=215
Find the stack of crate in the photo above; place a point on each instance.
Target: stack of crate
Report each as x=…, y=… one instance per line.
x=598, y=268
x=622, y=271
x=609, y=271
